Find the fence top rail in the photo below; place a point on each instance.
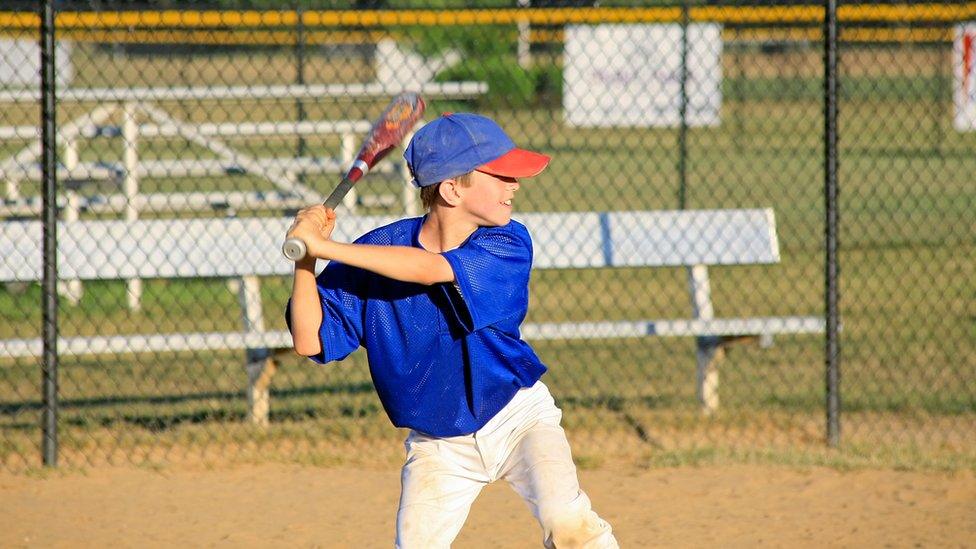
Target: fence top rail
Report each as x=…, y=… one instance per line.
x=227, y=247
x=808, y=12
x=449, y=90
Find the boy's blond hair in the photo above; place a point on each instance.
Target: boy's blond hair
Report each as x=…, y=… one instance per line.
x=429, y=193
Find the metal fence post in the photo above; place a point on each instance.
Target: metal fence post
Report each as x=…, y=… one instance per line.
x=49, y=445
x=683, y=111
x=830, y=196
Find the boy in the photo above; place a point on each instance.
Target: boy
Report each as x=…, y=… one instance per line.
x=437, y=302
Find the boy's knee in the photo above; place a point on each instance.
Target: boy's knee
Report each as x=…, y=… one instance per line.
x=418, y=529
x=583, y=529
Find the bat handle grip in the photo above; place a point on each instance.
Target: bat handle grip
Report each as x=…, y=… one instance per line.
x=295, y=249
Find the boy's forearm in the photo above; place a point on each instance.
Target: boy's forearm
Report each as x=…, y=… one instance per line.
x=401, y=263
x=306, y=310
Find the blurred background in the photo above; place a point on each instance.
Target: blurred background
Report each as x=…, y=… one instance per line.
x=231, y=115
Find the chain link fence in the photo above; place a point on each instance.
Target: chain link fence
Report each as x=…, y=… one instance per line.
x=678, y=295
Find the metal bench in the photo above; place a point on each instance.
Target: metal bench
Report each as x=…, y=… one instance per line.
x=249, y=248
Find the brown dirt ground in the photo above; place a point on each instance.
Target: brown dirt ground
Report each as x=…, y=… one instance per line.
x=277, y=505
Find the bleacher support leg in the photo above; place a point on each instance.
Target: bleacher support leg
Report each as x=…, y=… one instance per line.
x=71, y=290
x=130, y=186
x=260, y=369
x=260, y=362
x=709, y=352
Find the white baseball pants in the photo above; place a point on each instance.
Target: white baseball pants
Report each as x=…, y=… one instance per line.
x=524, y=445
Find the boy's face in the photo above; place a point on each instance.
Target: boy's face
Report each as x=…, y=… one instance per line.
x=489, y=198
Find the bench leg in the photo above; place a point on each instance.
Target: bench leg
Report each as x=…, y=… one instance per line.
x=259, y=373
x=709, y=353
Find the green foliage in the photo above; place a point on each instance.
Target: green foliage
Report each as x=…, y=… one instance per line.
x=508, y=84
x=481, y=40
x=488, y=55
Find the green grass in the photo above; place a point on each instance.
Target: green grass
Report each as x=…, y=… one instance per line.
x=907, y=244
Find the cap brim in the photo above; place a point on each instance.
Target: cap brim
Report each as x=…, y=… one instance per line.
x=516, y=163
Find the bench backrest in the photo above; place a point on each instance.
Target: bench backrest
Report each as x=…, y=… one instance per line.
x=653, y=238
x=230, y=247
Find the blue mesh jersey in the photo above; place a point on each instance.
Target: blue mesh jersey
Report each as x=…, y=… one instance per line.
x=444, y=358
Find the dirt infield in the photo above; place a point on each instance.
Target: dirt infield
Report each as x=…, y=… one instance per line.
x=303, y=506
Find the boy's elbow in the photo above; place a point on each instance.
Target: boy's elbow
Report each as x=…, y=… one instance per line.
x=307, y=348
x=308, y=352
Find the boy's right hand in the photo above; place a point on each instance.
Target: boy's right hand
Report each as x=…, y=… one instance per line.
x=314, y=226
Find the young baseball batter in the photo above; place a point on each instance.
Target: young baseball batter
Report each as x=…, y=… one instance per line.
x=437, y=302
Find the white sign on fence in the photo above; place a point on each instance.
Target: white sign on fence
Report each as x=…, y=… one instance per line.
x=20, y=63
x=630, y=75
x=964, y=61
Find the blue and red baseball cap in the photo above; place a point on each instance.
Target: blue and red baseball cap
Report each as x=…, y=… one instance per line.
x=458, y=143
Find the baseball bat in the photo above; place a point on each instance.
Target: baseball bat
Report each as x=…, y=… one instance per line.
x=398, y=118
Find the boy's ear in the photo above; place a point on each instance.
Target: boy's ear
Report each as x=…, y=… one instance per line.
x=450, y=191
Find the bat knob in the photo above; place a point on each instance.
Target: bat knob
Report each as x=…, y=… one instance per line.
x=294, y=249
